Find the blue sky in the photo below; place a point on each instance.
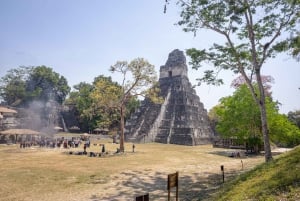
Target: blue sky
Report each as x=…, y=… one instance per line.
x=81, y=39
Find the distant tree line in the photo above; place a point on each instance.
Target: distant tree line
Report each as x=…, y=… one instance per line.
x=94, y=106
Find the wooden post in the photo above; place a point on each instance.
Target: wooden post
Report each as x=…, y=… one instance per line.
x=173, y=182
x=223, y=175
x=242, y=164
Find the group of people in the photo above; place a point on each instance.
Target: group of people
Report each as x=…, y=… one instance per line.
x=55, y=143
x=68, y=143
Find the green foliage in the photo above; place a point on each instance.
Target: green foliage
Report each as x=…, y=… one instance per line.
x=292, y=45
x=105, y=98
x=80, y=96
x=88, y=101
x=13, y=85
x=295, y=117
x=238, y=117
x=252, y=31
x=277, y=180
x=282, y=131
x=81, y=101
x=96, y=104
x=44, y=84
x=22, y=85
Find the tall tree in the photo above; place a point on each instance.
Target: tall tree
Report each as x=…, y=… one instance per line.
x=251, y=30
x=80, y=99
x=105, y=96
x=137, y=77
x=44, y=84
x=13, y=86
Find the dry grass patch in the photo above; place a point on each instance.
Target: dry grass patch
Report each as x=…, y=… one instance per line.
x=53, y=174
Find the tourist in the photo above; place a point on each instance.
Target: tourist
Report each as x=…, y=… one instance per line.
x=103, y=149
x=84, y=149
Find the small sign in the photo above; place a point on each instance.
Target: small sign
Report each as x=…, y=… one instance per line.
x=142, y=197
x=173, y=182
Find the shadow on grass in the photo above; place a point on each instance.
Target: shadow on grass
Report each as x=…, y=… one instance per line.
x=191, y=187
x=235, y=152
x=242, y=153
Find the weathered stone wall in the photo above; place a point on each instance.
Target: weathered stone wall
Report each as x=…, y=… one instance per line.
x=181, y=119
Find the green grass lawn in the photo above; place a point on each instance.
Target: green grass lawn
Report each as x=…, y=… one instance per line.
x=277, y=180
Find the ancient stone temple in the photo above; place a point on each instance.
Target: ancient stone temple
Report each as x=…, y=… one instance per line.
x=180, y=119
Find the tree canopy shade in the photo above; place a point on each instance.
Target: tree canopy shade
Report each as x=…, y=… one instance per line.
x=251, y=30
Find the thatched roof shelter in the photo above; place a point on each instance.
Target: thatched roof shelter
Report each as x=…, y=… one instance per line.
x=85, y=134
x=74, y=128
x=17, y=131
x=101, y=130
x=7, y=110
x=58, y=128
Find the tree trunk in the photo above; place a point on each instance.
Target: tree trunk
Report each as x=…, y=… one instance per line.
x=264, y=123
x=122, y=149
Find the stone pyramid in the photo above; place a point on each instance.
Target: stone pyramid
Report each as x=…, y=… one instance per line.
x=180, y=119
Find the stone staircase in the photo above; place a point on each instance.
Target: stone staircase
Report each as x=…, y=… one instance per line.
x=141, y=122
